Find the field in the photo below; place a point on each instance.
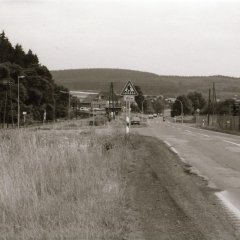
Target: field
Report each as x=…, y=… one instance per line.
x=61, y=184
x=151, y=84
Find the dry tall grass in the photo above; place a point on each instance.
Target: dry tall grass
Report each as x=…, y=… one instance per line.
x=61, y=185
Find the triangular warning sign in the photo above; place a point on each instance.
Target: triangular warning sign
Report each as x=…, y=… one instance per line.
x=129, y=89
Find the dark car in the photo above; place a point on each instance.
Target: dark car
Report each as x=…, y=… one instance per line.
x=135, y=120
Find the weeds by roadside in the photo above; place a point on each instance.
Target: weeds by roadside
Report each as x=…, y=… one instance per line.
x=61, y=185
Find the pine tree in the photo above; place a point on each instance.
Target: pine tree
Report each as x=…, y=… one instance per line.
x=19, y=55
x=6, y=49
x=30, y=59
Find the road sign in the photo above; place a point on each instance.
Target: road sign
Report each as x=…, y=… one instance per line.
x=129, y=98
x=129, y=90
x=24, y=113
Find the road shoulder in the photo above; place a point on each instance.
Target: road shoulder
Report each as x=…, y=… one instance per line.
x=167, y=201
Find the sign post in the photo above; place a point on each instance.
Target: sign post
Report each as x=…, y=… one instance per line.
x=129, y=92
x=24, y=117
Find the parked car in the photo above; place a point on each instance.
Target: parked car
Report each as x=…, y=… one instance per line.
x=154, y=115
x=150, y=116
x=135, y=120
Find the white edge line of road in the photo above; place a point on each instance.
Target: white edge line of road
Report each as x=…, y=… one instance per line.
x=192, y=169
x=167, y=143
x=232, y=143
x=174, y=150
x=234, y=210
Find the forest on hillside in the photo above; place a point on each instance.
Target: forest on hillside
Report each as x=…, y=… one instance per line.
x=22, y=74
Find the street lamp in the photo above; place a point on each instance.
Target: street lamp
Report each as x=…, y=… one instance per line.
x=181, y=108
x=68, y=102
x=19, y=77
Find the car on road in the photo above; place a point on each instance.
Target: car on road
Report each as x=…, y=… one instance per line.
x=135, y=120
x=84, y=109
x=154, y=115
x=150, y=116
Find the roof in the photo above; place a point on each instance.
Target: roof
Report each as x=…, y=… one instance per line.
x=107, y=95
x=104, y=95
x=90, y=98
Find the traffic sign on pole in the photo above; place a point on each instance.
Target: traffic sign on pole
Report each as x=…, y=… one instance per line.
x=129, y=90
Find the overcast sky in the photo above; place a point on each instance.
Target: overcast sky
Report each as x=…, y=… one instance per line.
x=179, y=37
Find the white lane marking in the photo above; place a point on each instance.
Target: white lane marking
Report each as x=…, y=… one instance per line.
x=204, y=135
x=183, y=159
x=196, y=128
x=188, y=131
x=232, y=143
x=233, y=209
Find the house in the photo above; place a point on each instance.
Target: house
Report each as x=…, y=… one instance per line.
x=102, y=101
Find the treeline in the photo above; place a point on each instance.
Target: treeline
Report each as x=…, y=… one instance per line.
x=195, y=102
x=190, y=104
x=40, y=97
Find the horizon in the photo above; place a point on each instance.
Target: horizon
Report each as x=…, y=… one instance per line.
x=215, y=75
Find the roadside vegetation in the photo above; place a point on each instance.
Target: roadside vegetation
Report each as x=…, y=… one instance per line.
x=62, y=185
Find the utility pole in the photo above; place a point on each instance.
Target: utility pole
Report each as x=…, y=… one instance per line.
x=209, y=105
x=213, y=99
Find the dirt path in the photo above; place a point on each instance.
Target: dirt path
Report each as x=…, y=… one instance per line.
x=168, y=202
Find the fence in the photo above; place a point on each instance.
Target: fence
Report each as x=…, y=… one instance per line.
x=228, y=123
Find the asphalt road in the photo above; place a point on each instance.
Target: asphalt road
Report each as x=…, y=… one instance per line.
x=214, y=155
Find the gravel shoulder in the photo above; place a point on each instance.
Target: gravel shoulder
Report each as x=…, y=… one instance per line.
x=166, y=201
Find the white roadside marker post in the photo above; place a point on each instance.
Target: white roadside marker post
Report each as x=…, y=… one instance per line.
x=127, y=118
x=129, y=113
x=129, y=92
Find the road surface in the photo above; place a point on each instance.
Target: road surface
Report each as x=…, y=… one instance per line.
x=214, y=155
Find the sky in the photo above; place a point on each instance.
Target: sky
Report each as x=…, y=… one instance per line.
x=167, y=37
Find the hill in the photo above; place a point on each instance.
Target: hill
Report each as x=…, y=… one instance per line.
x=151, y=84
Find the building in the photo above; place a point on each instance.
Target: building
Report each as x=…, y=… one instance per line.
x=102, y=101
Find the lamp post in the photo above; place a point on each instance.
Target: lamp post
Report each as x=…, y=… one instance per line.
x=19, y=77
x=68, y=103
x=181, y=108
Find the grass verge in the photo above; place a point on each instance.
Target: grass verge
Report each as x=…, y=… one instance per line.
x=61, y=185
